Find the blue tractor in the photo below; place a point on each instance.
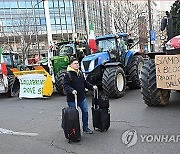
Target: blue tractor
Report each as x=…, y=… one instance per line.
x=114, y=65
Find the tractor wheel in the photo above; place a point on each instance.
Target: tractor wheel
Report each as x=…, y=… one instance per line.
x=114, y=82
x=59, y=81
x=134, y=72
x=151, y=94
x=10, y=85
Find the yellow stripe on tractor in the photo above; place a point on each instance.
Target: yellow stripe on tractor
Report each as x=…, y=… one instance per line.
x=47, y=89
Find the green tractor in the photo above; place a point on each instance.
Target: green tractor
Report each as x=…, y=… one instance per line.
x=61, y=59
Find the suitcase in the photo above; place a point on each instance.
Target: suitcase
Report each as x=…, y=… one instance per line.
x=101, y=119
x=100, y=112
x=70, y=123
x=100, y=99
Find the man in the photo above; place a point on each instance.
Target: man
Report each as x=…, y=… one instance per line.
x=75, y=84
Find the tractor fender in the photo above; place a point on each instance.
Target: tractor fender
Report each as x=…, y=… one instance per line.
x=129, y=56
x=114, y=64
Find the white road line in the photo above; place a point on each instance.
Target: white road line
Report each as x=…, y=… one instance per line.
x=10, y=132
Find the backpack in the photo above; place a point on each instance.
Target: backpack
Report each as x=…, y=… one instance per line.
x=70, y=77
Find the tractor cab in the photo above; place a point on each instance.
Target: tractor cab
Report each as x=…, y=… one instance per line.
x=11, y=59
x=108, y=43
x=116, y=45
x=71, y=49
x=65, y=49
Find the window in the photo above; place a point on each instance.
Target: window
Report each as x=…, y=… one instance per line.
x=42, y=21
x=7, y=5
x=63, y=20
x=7, y=59
x=58, y=21
x=56, y=3
x=53, y=21
x=61, y=3
x=50, y=4
x=69, y=27
x=63, y=27
x=106, y=45
x=22, y=4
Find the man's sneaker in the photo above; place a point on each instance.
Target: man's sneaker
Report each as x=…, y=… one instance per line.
x=88, y=131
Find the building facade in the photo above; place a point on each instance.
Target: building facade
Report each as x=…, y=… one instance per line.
x=23, y=22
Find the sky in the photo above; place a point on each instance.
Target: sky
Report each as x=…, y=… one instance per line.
x=164, y=5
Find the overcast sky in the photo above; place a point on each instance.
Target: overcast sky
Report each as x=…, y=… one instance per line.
x=164, y=5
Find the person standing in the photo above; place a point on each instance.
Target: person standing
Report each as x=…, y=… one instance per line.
x=75, y=84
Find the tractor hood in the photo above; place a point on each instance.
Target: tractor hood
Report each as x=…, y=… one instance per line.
x=89, y=63
x=44, y=61
x=95, y=56
x=173, y=43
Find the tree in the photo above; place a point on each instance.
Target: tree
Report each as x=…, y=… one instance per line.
x=23, y=32
x=127, y=15
x=175, y=12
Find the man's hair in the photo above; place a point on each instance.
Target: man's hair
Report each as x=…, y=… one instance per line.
x=73, y=59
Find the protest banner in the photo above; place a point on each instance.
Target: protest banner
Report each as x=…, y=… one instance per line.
x=31, y=85
x=168, y=71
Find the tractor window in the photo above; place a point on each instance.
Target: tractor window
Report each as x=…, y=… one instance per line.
x=7, y=60
x=122, y=44
x=66, y=50
x=106, y=45
x=15, y=60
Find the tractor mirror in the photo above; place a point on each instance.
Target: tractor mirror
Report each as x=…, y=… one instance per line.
x=130, y=43
x=163, y=24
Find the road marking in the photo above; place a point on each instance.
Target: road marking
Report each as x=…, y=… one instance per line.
x=10, y=132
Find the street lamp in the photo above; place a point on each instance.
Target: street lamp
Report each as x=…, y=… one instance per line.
x=85, y=10
x=151, y=32
x=49, y=37
x=36, y=27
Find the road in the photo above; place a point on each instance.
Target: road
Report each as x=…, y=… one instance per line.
x=32, y=126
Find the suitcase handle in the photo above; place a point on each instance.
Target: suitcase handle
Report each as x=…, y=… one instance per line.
x=95, y=93
x=75, y=96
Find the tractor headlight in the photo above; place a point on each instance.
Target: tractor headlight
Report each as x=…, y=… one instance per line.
x=82, y=67
x=91, y=66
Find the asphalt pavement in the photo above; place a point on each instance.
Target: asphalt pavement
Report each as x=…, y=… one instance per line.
x=33, y=126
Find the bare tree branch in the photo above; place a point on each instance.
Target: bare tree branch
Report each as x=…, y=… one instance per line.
x=126, y=14
x=25, y=31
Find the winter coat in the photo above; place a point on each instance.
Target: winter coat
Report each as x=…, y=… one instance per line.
x=75, y=81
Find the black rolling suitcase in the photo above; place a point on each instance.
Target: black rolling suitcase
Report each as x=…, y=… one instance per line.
x=100, y=112
x=100, y=99
x=70, y=123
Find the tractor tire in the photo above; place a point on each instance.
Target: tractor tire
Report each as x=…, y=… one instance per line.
x=152, y=96
x=134, y=72
x=59, y=81
x=114, y=82
x=10, y=85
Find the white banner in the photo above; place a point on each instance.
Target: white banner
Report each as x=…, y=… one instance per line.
x=31, y=85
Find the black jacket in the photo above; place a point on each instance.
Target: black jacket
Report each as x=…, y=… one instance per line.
x=76, y=81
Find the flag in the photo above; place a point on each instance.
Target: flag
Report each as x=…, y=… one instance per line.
x=2, y=63
x=91, y=40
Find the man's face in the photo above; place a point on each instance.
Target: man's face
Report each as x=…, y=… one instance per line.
x=75, y=65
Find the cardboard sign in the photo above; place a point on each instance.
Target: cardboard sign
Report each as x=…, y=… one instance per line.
x=31, y=85
x=168, y=71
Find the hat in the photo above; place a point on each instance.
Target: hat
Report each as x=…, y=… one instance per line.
x=72, y=59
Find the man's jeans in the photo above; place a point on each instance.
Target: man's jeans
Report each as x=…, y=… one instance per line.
x=84, y=108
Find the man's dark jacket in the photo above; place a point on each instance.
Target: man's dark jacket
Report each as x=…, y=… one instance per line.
x=75, y=81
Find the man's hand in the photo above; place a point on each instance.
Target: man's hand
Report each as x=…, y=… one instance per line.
x=74, y=92
x=95, y=87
